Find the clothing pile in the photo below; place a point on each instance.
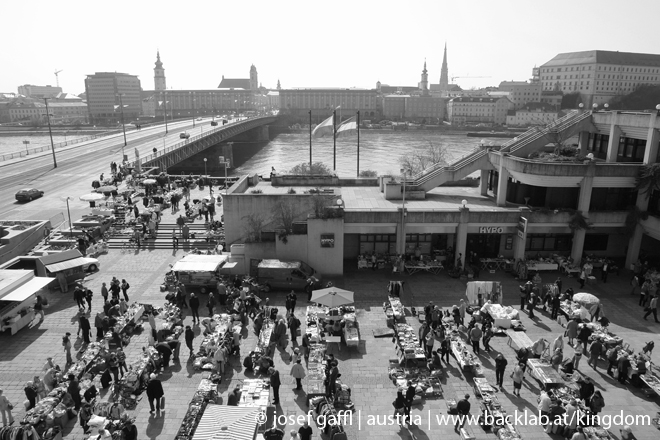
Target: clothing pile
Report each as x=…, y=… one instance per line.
x=19, y=433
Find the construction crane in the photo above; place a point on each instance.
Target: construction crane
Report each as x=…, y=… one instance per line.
x=57, y=78
x=454, y=77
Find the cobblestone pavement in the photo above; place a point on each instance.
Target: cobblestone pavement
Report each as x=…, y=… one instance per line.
x=364, y=369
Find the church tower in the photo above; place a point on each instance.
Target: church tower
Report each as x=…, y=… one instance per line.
x=444, y=74
x=279, y=87
x=159, y=74
x=254, y=83
x=424, y=84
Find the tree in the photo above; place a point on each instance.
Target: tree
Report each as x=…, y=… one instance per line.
x=433, y=154
x=318, y=168
x=368, y=173
x=252, y=227
x=571, y=100
x=648, y=179
x=284, y=213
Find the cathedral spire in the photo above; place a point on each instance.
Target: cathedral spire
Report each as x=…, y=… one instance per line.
x=159, y=74
x=444, y=73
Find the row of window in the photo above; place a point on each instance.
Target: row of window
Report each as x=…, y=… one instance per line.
x=604, y=68
x=564, y=242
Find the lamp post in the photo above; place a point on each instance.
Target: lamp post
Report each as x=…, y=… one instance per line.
x=69, y=214
x=193, y=112
x=403, y=215
x=209, y=180
x=225, y=162
x=50, y=132
x=165, y=103
x=123, y=127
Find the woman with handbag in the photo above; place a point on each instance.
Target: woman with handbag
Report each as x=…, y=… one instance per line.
x=5, y=410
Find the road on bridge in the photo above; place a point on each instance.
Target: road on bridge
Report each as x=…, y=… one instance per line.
x=77, y=166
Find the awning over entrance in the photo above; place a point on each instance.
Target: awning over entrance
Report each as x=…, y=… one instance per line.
x=369, y=228
x=64, y=265
x=26, y=290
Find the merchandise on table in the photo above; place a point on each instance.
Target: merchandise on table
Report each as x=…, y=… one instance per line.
x=206, y=393
x=130, y=318
x=652, y=381
x=426, y=382
x=169, y=316
x=93, y=354
x=502, y=315
x=255, y=393
x=544, y=373
x=464, y=357
x=408, y=343
x=315, y=378
x=394, y=309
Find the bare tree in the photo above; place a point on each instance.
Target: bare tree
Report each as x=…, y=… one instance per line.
x=433, y=154
x=284, y=213
x=252, y=226
x=318, y=168
x=321, y=203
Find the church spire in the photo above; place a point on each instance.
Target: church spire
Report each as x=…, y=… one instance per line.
x=159, y=74
x=424, y=84
x=444, y=73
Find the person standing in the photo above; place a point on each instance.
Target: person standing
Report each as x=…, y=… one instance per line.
x=544, y=407
x=445, y=349
x=74, y=390
x=531, y=304
x=30, y=394
x=612, y=356
x=190, y=336
x=61, y=279
x=154, y=392
x=104, y=292
x=305, y=346
x=422, y=332
x=121, y=361
x=79, y=297
x=462, y=309
x=115, y=289
x=332, y=379
x=623, y=363
x=430, y=340
x=571, y=331
x=294, y=326
x=210, y=304
x=517, y=375
x=66, y=343
x=305, y=431
x=5, y=410
x=298, y=373
x=595, y=351
x=500, y=366
x=583, y=278
x=39, y=308
x=463, y=408
x=605, y=269
x=85, y=328
x=89, y=295
x=165, y=352
x=275, y=384
x=399, y=405
x=124, y=288
x=653, y=308
x=475, y=336
x=175, y=239
x=194, y=306
x=556, y=304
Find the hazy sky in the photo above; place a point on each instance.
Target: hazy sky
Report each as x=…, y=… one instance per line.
x=338, y=43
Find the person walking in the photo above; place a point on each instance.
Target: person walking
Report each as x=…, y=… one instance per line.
x=5, y=410
x=294, y=327
x=104, y=292
x=500, y=366
x=275, y=384
x=175, y=239
x=422, y=332
x=604, y=269
x=124, y=288
x=305, y=431
x=583, y=279
x=399, y=405
x=531, y=304
x=612, y=356
x=85, y=328
x=571, y=331
x=89, y=295
x=517, y=375
x=154, y=392
x=39, y=308
x=463, y=408
x=475, y=336
x=298, y=373
x=66, y=343
x=210, y=304
x=652, y=308
x=31, y=394
x=430, y=340
x=595, y=351
x=121, y=361
x=304, y=345
x=488, y=335
x=193, y=302
x=190, y=336
x=115, y=289
x=445, y=349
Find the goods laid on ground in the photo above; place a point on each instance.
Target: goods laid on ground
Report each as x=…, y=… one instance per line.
x=427, y=383
x=333, y=321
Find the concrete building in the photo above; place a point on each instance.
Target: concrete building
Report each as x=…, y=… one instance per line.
x=38, y=92
x=149, y=106
x=533, y=113
x=523, y=207
x=322, y=101
x=468, y=110
x=23, y=110
x=599, y=75
x=521, y=92
x=273, y=100
x=74, y=112
x=103, y=90
x=552, y=97
x=425, y=109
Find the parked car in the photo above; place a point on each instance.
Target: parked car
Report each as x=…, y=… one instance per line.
x=28, y=194
x=184, y=135
x=214, y=123
x=91, y=264
x=199, y=119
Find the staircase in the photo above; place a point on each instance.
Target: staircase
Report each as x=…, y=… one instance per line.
x=163, y=238
x=523, y=145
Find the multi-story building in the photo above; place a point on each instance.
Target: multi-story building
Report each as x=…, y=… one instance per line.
x=322, y=101
x=523, y=208
x=552, y=97
x=425, y=109
x=521, y=92
x=74, y=112
x=23, y=110
x=32, y=91
x=107, y=91
x=599, y=75
x=533, y=113
x=468, y=110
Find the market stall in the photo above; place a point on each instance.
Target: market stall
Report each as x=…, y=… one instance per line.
x=200, y=271
x=231, y=422
x=315, y=378
x=491, y=411
x=503, y=316
x=588, y=302
x=207, y=392
x=255, y=393
x=543, y=264
x=18, y=292
x=544, y=373
x=52, y=410
x=464, y=356
x=518, y=340
x=408, y=348
x=91, y=360
x=394, y=310
x=480, y=292
x=127, y=322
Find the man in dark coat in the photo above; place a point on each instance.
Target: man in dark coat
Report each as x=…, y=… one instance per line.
x=154, y=392
x=294, y=325
x=194, y=306
x=85, y=328
x=275, y=384
x=190, y=335
x=165, y=352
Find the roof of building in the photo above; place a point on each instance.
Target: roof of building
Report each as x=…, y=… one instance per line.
x=604, y=57
x=538, y=106
x=329, y=89
x=68, y=96
x=513, y=83
x=475, y=99
x=234, y=83
x=78, y=103
x=499, y=94
x=392, y=89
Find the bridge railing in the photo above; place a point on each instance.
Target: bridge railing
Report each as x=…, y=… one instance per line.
x=191, y=139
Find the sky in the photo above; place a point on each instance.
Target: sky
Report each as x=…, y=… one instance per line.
x=337, y=43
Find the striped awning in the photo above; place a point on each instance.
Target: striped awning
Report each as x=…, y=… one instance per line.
x=64, y=265
x=221, y=422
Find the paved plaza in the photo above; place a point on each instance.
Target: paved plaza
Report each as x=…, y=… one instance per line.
x=364, y=369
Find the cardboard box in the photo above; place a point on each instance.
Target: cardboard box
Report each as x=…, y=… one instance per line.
x=466, y=434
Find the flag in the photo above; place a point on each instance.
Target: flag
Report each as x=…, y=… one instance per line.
x=323, y=129
x=348, y=127
x=137, y=154
x=116, y=107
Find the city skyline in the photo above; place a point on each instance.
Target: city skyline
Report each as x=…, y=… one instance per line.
x=374, y=41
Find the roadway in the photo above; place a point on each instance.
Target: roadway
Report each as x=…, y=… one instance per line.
x=77, y=166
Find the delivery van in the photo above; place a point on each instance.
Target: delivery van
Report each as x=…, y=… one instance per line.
x=287, y=275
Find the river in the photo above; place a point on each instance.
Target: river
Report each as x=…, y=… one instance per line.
x=380, y=151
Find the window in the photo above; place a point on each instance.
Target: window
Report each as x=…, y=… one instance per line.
x=549, y=242
x=596, y=242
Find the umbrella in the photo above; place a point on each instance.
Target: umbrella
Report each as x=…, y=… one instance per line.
x=149, y=181
x=92, y=197
x=107, y=189
x=585, y=299
x=332, y=297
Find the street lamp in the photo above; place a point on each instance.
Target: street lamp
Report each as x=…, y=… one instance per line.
x=208, y=180
x=193, y=112
x=123, y=126
x=50, y=132
x=165, y=103
x=69, y=213
x=403, y=214
x=225, y=162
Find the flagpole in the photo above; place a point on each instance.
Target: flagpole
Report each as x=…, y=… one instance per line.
x=358, y=145
x=334, y=140
x=310, y=142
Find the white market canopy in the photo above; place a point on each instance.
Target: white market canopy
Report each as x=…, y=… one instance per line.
x=332, y=297
x=28, y=289
x=221, y=422
x=199, y=263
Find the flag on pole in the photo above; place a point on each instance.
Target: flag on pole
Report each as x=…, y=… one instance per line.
x=323, y=129
x=116, y=107
x=349, y=126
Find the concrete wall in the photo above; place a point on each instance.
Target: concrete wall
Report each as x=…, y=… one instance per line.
x=295, y=248
x=18, y=242
x=195, y=164
x=311, y=181
x=328, y=261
